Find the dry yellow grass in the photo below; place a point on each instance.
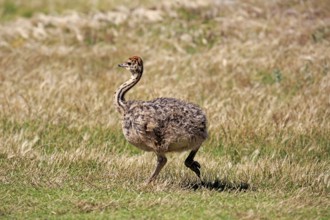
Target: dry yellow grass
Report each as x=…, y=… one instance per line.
x=260, y=69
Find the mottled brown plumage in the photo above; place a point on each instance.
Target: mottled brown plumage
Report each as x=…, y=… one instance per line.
x=161, y=125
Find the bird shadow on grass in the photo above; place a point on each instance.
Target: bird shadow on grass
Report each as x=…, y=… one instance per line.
x=217, y=185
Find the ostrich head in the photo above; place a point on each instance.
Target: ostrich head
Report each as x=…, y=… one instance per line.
x=133, y=64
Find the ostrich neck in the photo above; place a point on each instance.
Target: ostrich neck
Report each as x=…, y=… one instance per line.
x=125, y=87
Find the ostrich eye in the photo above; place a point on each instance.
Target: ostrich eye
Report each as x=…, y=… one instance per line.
x=129, y=63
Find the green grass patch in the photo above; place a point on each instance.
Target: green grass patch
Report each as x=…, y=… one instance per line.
x=50, y=138
x=79, y=201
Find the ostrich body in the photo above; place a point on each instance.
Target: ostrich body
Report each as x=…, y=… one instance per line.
x=161, y=125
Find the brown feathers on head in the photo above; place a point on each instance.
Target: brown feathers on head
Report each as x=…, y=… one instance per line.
x=136, y=59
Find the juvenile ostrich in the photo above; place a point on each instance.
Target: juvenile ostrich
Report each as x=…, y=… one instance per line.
x=161, y=125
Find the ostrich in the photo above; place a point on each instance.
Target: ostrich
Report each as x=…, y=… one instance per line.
x=161, y=125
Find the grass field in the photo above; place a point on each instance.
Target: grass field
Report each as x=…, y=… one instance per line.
x=259, y=69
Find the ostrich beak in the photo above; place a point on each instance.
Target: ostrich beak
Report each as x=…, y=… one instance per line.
x=124, y=65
